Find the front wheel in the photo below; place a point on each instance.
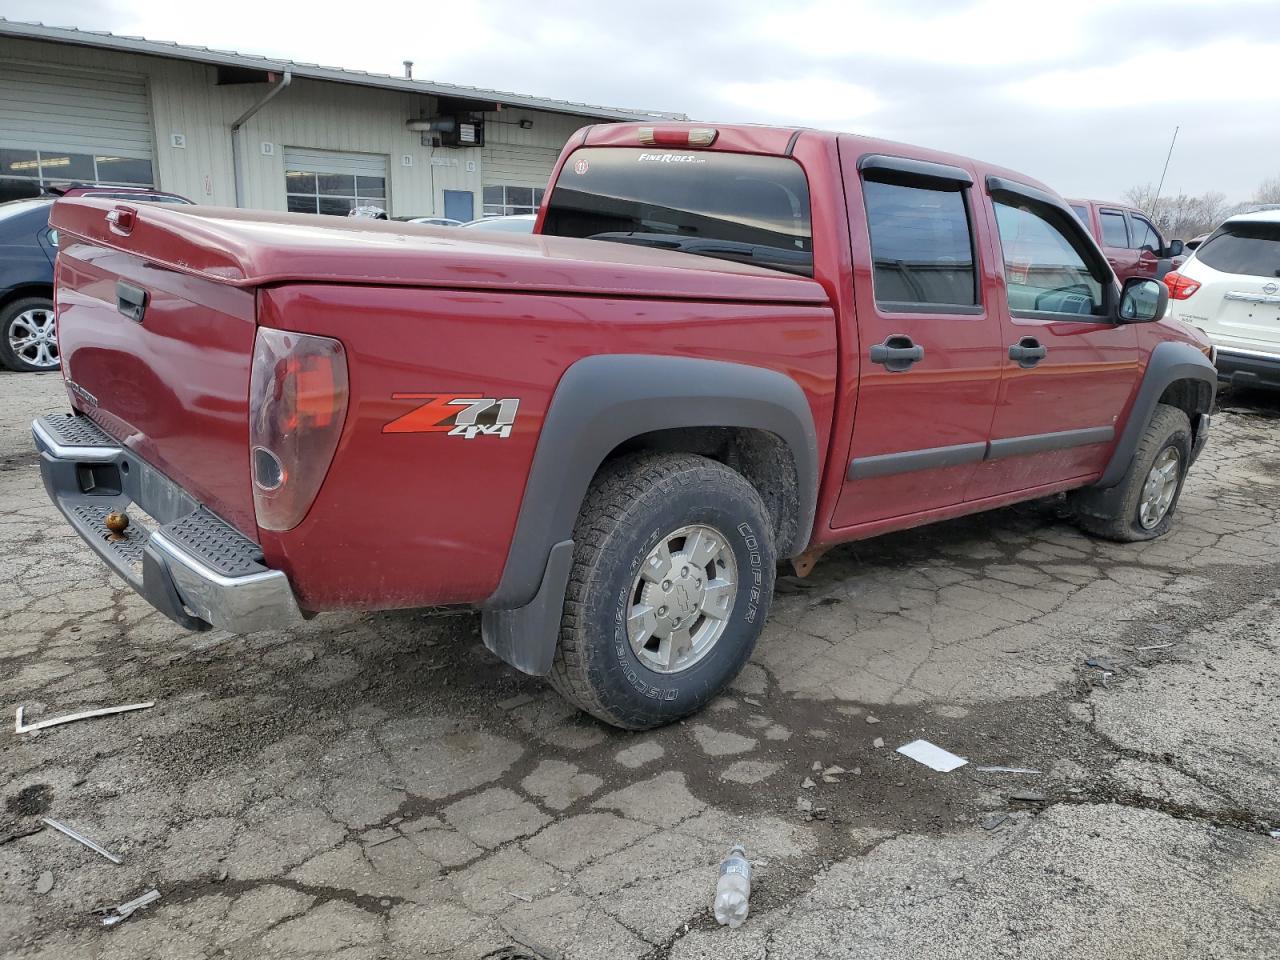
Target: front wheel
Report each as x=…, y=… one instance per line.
x=28, y=335
x=672, y=579
x=1141, y=506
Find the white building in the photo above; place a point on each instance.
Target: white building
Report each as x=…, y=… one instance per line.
x=236, y=130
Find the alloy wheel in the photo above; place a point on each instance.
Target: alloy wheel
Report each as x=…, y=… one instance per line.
x=682, y=598
x=33, y=337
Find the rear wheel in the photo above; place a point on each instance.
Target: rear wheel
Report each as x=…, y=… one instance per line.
x=28, y=336
x=671, y=582
x=1141, y=506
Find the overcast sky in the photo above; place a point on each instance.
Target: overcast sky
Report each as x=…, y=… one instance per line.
x=1083, y=95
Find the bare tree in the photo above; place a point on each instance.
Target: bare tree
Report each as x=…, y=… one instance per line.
x=1268, y=191
x=1181, y=215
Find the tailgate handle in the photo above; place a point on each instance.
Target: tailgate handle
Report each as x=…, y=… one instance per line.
x=122, y=219
x=131, y=301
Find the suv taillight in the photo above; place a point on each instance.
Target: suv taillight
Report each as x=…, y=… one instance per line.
x=1180, y=286
x=297, y=404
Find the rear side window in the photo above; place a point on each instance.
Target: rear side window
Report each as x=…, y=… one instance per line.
x=1114, y=233
x=1082, y=212
x=921, y=245
x=1248, y=248
x=1045, y=267
x=731, y=206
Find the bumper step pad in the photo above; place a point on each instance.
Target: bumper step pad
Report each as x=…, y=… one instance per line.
x=187, y=561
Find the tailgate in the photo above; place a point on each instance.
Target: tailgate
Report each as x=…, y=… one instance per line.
x=1250, y=315
x=172, y=383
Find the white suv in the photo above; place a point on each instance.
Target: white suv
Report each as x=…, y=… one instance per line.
x=1230, y=289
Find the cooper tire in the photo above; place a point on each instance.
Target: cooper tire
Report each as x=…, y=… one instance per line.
x=638, y=505
x=22, y=314
x=1123, y=512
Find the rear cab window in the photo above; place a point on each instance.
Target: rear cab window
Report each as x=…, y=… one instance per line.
x=1081, y=211
x=729, y=206
x=1252, y=249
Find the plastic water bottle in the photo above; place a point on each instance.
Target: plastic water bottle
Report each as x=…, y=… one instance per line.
x=734, y=888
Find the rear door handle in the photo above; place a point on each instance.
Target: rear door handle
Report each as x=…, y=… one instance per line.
x=131, y=301
x=1028, y=352
x=897, y=353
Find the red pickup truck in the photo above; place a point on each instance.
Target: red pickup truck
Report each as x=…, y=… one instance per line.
x=724, y=347
x=1131, y=242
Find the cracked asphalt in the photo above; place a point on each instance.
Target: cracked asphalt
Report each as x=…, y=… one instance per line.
x=379, y=786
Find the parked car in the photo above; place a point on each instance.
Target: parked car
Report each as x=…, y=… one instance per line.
x=517, y=223
x=1133, y=245
x=28, y=338
x=431, y=221
x=729, y=346
x=1230, y=289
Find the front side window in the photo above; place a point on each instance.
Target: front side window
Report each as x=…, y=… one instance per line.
x=1144, y=234
x=1246, y=248
x=729, y=206
x=507, y=201
x=1044, y=266
x=1114, y=233
x=921, y=245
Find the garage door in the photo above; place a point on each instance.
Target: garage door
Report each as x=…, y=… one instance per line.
x=64, y=127
x=322, y=181
x=514, y=177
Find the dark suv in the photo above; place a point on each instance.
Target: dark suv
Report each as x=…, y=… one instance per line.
x=28, y=339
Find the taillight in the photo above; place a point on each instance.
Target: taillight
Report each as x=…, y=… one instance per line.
x=297, y=405
x=678, y=136
x=1180, y=286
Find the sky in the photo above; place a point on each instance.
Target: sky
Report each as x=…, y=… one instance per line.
x=1083, y=95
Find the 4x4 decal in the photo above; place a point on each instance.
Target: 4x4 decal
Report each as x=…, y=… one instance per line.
x=458, y=415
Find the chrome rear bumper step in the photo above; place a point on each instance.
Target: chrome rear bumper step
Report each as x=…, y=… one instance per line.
x=188, y=562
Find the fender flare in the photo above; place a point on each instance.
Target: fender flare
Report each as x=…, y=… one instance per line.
x=603, y=401
x=1170, y=361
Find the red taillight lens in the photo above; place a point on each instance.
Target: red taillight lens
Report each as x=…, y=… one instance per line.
x=678, y=136
x=1180, y=286
x=297, y=405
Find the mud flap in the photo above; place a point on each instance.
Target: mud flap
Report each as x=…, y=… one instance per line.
x=526, y=637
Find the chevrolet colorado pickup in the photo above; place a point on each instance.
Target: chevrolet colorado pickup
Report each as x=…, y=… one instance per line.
x=721, y=349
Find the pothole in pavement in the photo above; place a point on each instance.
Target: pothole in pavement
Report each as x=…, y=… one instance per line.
x=30, y=801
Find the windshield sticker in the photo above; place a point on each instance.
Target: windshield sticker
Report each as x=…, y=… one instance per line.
x=581, y=166
x=670, y=158
x=464, y=415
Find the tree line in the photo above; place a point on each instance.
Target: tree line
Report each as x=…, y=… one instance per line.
x=1183, y=216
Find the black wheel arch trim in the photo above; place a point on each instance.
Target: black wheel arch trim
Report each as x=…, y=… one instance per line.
x=1170, y=362
x=604, y=400
x=601, y=402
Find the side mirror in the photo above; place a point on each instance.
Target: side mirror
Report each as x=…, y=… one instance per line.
x=1143, y=300
x=1174, y=249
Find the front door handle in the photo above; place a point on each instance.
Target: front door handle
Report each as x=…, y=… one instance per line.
x=1028, y=352
x=897, y=353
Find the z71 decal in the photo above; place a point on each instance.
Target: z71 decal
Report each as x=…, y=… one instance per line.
x=458, y=415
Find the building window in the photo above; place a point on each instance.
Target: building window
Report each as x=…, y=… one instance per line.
x=332, y=193
x=26, y=173
x=504, y=201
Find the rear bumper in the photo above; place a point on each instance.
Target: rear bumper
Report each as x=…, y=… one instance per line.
x=191, y=565
x=1249, y=368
